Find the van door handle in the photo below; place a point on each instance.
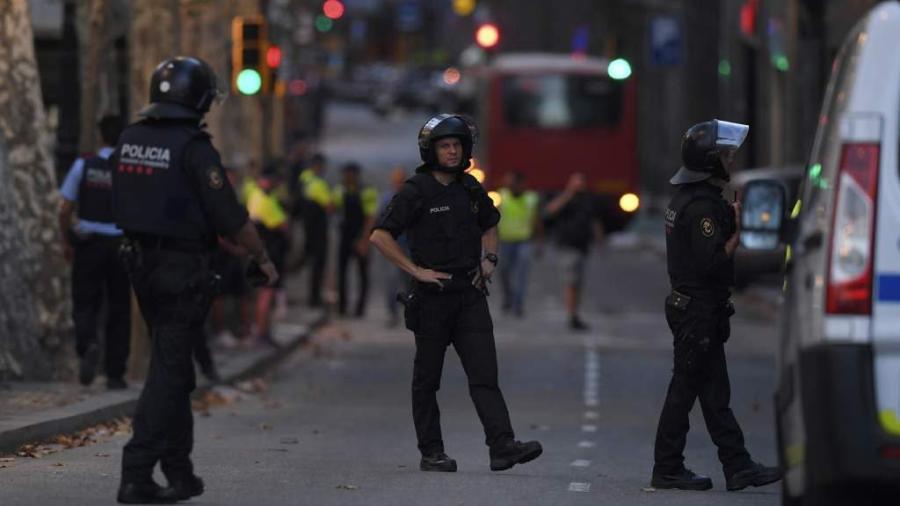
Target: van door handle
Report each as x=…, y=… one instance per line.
x=813, y=241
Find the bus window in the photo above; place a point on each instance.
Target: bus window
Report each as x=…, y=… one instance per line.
x=561, y=101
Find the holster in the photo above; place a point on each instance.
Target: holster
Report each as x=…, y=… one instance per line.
x=412, y=313
x=132, y=256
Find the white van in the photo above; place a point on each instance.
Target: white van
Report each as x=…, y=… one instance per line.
x=837, y=402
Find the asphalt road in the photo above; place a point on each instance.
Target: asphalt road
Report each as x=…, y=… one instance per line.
x=335, y=426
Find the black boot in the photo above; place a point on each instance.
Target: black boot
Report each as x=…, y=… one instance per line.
x=514, y=452
x=577, y=324
x=684, y=480
x=145, y=492
x=756, y=475
x=188, y=487
x=437, y=462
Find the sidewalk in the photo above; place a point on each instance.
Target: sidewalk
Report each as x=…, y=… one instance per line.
x=34, y=412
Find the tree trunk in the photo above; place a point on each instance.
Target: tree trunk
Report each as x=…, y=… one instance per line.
x=96, y=48
x=34, y=301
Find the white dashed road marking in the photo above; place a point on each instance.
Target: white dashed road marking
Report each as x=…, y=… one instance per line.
x=586, y=444
x=589, y=428
x=580, y=463
x=576, y=486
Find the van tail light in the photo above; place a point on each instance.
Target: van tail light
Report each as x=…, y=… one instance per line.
x=891, y=452
x=853, y=231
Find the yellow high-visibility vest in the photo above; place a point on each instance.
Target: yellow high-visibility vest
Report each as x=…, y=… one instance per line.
x=315, y=189
x=517, y=215
x=265, y=208
x=248, y=186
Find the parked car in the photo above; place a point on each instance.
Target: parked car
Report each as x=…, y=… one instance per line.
x=837, y=399
x=760, y=255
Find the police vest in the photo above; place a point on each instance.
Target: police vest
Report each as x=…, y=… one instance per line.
x=95, y=191
x=685, y=272
x=445, y=234
x=152, y=192
x=517, y=215
x=265, y=208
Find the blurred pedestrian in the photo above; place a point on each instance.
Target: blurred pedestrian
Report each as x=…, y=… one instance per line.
x=451, y=221
x=172, y=200
x=356, y=204
x=575, y=218
x=702, y=232
x=98, y=276
x=315, y=206
x=266, y=206
x=518, y=227
x=396, y=279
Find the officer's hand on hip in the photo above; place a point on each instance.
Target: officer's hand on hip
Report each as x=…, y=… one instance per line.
x=430, y=276
x=270, y=271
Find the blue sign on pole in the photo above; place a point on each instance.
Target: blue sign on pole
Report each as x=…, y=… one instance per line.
x=665, y=41
x=409, y=16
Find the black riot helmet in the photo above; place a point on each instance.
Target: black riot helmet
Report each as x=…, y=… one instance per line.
x=182, y=88
x=702, y=147
x=447, y=125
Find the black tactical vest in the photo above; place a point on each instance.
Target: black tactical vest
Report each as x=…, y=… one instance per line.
x=445, y=234
x=686, y=273
x=95, y=191
x=152, y=193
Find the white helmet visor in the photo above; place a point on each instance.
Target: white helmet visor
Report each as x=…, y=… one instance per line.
x=730, y=136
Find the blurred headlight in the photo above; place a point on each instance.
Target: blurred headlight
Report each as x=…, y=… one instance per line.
x=629, y=202
x=496, y=197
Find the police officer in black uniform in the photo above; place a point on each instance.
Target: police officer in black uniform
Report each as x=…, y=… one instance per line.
x=172, y=200
x=450, y=220
x=702, y=232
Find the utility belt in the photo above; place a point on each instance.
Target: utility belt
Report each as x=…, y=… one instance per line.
x=684, y=302
x=461, y=280
x=151, y=243
x=83, y=238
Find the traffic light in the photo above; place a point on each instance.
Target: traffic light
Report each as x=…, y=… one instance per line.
x=487, y=36
x=250, y=58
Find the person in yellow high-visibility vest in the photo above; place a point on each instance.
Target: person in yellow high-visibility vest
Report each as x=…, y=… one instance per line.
x=357, y=205
x=316, y=204
x=271, y=219
x=519, y=226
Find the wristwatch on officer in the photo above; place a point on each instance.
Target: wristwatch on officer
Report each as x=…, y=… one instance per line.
x=492, y=258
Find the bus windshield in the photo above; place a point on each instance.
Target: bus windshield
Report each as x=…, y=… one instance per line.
x=561, y=101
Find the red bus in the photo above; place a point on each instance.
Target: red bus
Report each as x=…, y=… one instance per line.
x=550, y=115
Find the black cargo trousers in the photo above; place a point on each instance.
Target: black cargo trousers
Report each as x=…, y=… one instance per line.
x=700, y=331
x=174, y=295
x=458, y=315
x=99, y=277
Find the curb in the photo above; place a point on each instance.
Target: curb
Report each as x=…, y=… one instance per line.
x=44, y=425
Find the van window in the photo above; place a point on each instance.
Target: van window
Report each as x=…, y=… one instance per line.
x=825, y=157
x=558, y=101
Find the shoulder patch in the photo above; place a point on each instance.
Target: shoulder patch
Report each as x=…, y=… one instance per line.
x=707, y=227
x=214, y=178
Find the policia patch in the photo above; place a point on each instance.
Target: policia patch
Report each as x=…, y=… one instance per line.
x=214, y=177
x=707, y=227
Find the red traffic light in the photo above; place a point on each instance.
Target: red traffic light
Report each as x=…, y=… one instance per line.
x=487, y=36
x=333, y=9
x=273, y=57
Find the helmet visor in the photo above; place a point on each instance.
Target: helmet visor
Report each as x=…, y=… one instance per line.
x=730, y=136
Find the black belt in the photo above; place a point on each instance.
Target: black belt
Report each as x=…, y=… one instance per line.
x=156, y=243
x=683, y=301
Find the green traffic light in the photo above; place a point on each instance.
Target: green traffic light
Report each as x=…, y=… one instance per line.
x=619, y=69
x=249, y=82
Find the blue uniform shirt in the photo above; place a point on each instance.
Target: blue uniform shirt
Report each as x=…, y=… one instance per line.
x=69, y=191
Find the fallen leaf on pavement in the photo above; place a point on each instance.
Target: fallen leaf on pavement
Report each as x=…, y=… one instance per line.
x=7, y=459
x=58, y=464
x=289, y=441
x=347, y=487
x=101, y=455
x=649, y=489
